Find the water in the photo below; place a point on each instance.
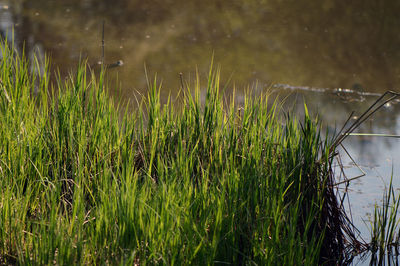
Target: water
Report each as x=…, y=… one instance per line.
x=337, y=56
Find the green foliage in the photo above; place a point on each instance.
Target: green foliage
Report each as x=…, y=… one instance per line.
x=385, y=241
x=202, y=184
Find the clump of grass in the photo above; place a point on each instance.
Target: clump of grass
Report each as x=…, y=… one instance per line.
x=199, y=184
x=385, y=234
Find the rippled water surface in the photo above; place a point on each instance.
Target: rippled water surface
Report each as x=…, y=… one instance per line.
x=338, y=56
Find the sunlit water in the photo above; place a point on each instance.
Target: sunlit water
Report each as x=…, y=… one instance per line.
x=316, y=50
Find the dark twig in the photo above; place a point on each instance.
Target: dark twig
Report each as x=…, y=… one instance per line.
x=359, y=168
x=102, y=46
x=368, y=113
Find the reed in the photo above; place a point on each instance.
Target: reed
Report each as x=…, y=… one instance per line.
x=163, y=184
x=384, y=246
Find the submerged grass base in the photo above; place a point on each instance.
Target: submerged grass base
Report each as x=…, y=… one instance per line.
x=202, y=184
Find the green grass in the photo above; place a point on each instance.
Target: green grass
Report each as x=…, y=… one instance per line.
x=385, y=231
x=164, y=184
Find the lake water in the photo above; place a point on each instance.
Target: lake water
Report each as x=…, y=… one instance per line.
x=311, y=50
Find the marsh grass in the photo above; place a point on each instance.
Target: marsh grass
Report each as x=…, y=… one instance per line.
x=385, y=234
x=198, y=183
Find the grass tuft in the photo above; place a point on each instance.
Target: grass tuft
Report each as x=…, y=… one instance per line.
x=198, y=183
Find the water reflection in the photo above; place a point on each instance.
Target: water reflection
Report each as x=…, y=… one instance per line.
x=378, y=157
x=320, y=44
